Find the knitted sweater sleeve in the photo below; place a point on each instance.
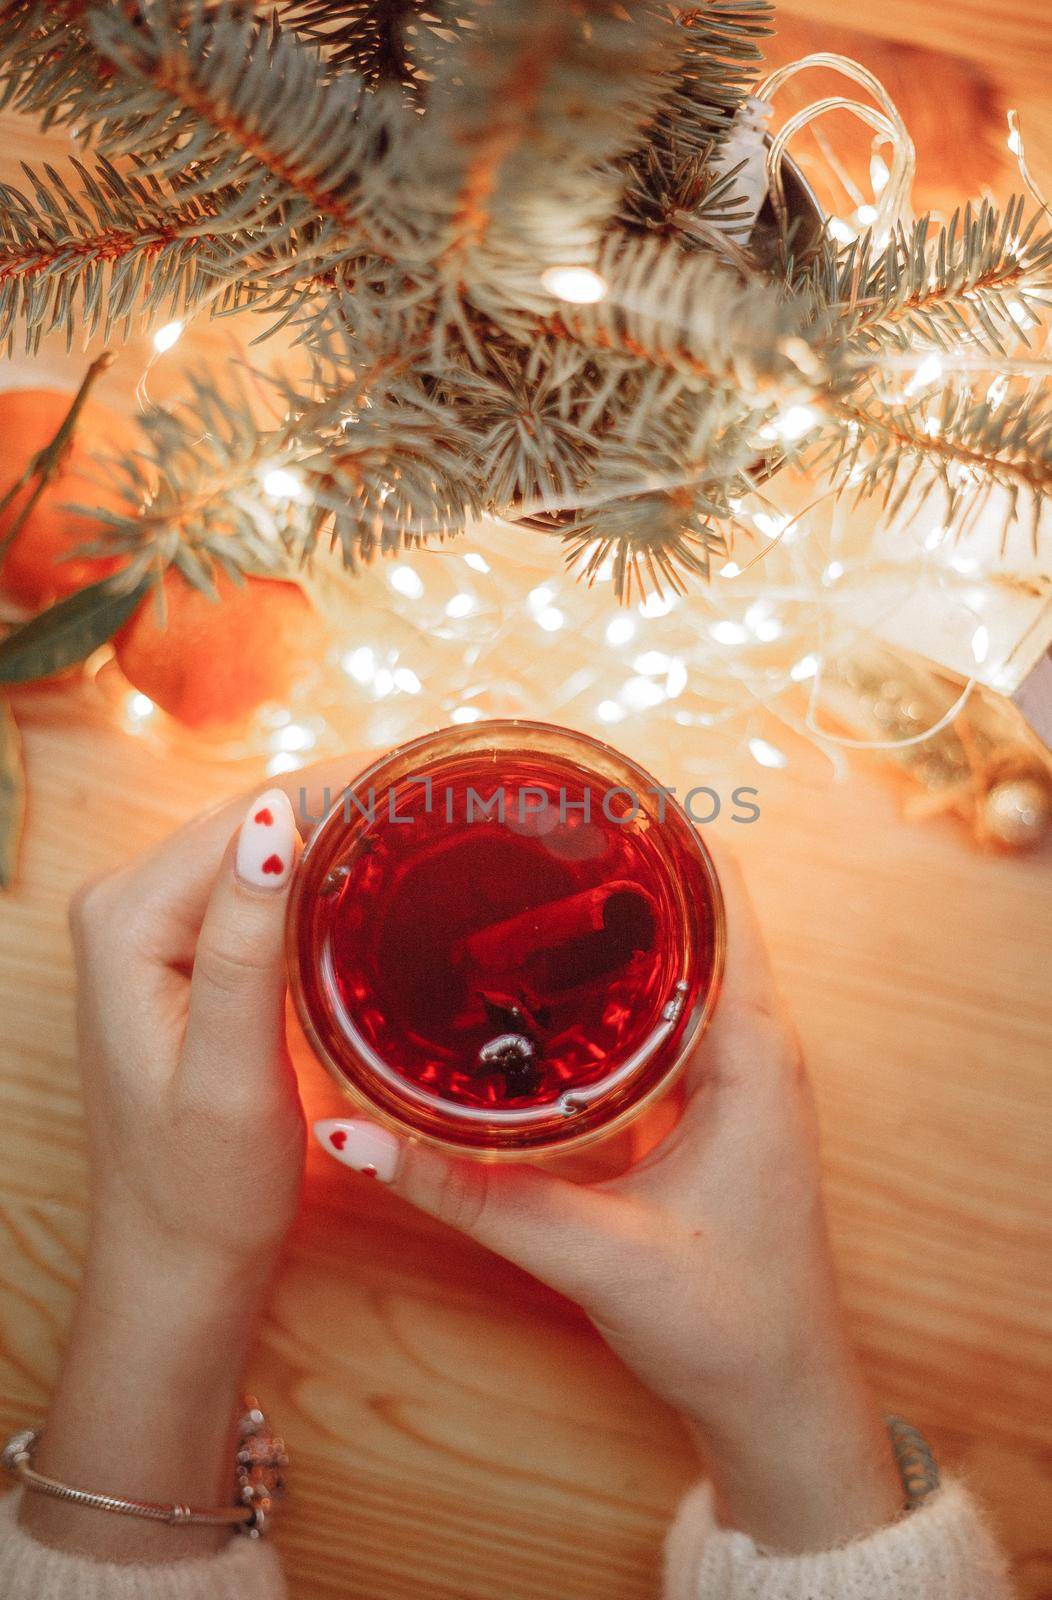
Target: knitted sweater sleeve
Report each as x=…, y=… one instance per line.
x=248, y=1569
x=943, y=1551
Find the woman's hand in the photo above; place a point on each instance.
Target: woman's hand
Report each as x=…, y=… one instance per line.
x=706, y=1268
x=196, y=1141
x=194, y=1120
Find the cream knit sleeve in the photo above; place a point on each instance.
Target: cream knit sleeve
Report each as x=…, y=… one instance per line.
x=248, y=1569
x=941, y=1551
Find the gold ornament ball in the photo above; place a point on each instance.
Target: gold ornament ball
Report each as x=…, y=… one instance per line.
x=1018, y=812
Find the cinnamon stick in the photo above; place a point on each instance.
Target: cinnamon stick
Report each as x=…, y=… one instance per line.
x=506, y=945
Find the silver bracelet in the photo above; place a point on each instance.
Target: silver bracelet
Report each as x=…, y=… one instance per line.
x=260, y=1466
x=917, y=1466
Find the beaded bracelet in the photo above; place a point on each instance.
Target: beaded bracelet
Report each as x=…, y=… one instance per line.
x=917, y=1466
x=260, y=1466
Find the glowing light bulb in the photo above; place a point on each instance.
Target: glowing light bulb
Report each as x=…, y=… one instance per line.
x=582, y=286
x=866, y=215
x=407, y=582
x=772, y=527
x=929, y=371
x=280, y=484
x=138, y=708
x=550, y=619
x=359, y=664
x=676, y=681
x=834, y=571
x=609, y=711
x=728, y=633
x=466, y=714
x=406, y=680
x=283, y=762
x=768, y=755
x=461, y=605
x=652, y=662
x=840, y=230
x=995, y=395
x=981, y=643
x=619, y=630
x=384, y=682
x=656, y=605
x=540, y=597
x=642, y=693
x=295, y=738
x=165, y=337
x=730, y=569
x=795, y=422
x=476, y=562
x=803, y=669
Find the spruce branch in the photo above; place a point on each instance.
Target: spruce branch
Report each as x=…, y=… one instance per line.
x=196, y=484
x=46, y=58
x=388, y=180
x=121, y=248
x=400, y=475
x=231, y=102
x=690, y=314
x=383, y=41
x=663, y=512
x=720, y=56
x=380, y=465
x=984, y=276
x=527, y=442
x=530, y=104
x=670, y=192
x=967, y=445
x=656, y=541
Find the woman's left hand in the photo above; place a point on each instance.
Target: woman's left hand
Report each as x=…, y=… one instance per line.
x=195, y=1127
x=196, y=1147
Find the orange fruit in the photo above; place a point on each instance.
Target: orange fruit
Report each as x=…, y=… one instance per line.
x=211, y=663
x=33, y=570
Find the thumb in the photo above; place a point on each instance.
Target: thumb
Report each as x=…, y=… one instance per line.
x=570, y=1237
x=236, y=1020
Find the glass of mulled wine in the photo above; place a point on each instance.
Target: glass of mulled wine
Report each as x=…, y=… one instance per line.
x=504, y=938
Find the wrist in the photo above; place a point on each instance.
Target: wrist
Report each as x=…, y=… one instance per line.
x=147, y=1398
x=148, y=1276
x=129, y=1233
x=801, y=1461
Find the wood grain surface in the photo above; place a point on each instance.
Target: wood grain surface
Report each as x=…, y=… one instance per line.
x=456, y=1430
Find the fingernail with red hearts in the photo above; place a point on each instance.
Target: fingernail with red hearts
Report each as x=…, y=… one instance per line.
x=363, y=1146
x=266, y=845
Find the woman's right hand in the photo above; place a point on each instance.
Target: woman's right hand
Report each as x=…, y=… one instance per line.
x=706, y=1267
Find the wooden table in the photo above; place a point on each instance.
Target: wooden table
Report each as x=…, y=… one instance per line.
x=458, y=1431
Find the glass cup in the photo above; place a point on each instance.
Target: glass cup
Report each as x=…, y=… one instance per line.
x=505, y=938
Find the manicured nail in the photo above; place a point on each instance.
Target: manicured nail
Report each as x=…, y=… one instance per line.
x=362, y=1146
x=266, y=845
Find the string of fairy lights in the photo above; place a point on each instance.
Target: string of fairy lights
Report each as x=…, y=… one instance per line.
x=783, y=606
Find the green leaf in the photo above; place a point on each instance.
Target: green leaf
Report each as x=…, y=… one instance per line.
x=67, y=631
x=12, y=794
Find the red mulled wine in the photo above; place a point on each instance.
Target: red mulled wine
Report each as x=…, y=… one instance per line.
x=504, y=937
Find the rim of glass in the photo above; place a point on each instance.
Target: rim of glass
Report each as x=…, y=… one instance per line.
x=543, y=1147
